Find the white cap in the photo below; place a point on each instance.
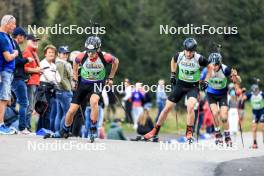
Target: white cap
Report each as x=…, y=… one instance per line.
x=6, y=19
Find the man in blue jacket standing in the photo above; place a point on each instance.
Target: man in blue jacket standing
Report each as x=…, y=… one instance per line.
x=7, y=67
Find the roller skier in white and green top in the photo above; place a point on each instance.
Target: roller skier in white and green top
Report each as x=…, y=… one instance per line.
x=188, y=63
x=216, y=94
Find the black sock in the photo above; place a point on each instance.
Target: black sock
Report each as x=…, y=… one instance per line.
x=157, y=128
x=254, y=141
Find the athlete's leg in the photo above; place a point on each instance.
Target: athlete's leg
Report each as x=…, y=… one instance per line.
x=254, y=133
x=162, y=117
x=70, y=114
x=261, y=121
x=175, y=97
x=224, y=117
x=94, y=99
x=190, y=110
x=164, y=113
x=255, y=128
x=215, y=113
x=94, y=107
x=262, y=128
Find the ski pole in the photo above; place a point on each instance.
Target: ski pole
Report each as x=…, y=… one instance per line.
x=121, y=104
x=240, y=126
x=177, y=123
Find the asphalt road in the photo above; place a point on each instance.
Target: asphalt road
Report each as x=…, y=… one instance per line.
x=30, y=155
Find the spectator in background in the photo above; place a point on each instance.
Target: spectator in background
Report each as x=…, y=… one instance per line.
x=111, y=109
x=115, y=132
x=64, y=93
x=33, y=71
x=161, y=97
x=128, y=101
x=8, y=53
x=241, y=105
x=233, y=112
x=147, y=104
x=137, y=103
x=19, y=85
x=49, y=80
x=256, y=98
x=145, y=123
x=199, y=114
x=208, y=118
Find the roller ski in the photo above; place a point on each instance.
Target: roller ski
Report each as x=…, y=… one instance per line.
x=138, y=138
x=141, y=138
x=63, y=133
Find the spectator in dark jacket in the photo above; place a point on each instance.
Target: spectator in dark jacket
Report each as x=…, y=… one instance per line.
x=19, y=85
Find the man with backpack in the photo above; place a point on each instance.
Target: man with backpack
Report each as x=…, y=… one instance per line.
x=92, y=63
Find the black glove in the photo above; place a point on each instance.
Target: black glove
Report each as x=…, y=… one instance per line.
x=203, y=85
x=75, y=84
x=108, y=80
x=173, y=78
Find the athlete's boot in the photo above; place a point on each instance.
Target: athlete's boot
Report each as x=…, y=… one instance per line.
x=189, y=134
x=218, y=138
x=152, y=134
x=228, y=140
x=255, y=145
x=93, y=132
